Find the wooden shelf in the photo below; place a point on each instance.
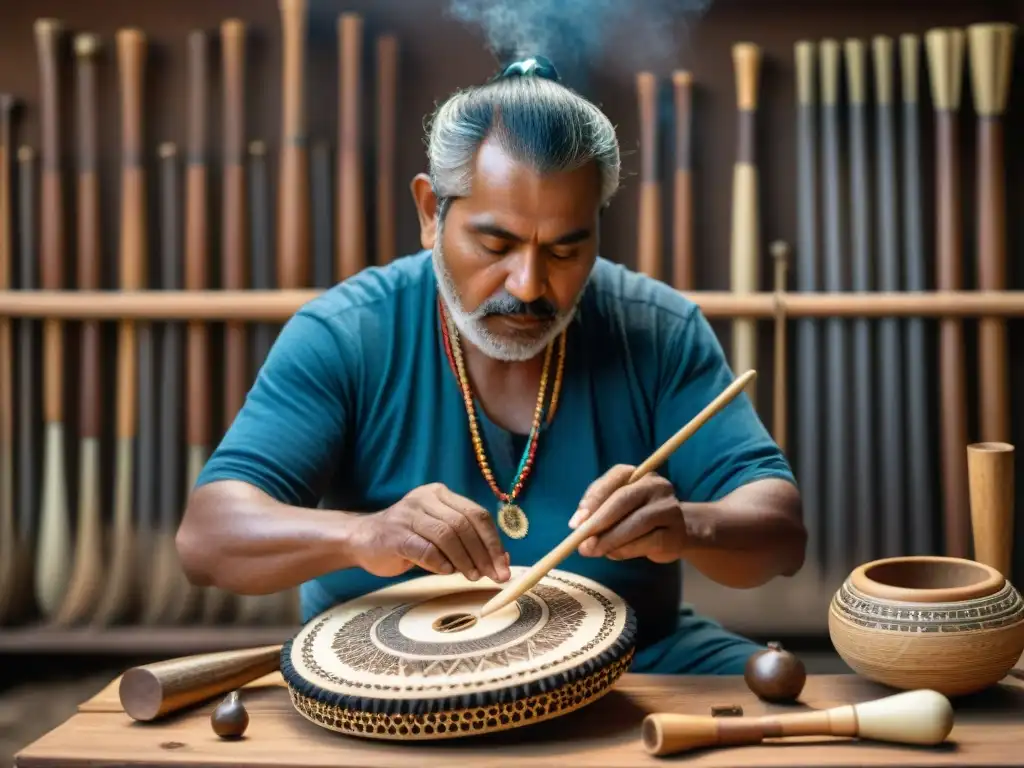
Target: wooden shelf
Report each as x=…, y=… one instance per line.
x=278, y=306
x=130, y=641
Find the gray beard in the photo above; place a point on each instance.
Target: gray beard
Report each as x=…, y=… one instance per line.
x=471, y=324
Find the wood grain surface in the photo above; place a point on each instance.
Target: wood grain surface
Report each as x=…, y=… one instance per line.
x=607, y=733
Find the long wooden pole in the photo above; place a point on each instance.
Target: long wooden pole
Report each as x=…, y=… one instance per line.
x=261, y=239
x=649, y=245
x=861, y=248
x=920, y=496
x=323, y=219
x=780, y=381
x=86, y=583
x=387, y=130
x=351, y=222
x=682, y=196
x=10, y=587
x=809, y=416
x=945, y=48
x=745, y=244
x=293, y=177
x=122, y=590
x=197, y=250
x=837, y=424
x=53, y=563
x=990, y=48
x=892, y=451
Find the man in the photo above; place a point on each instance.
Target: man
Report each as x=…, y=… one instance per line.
x=462, y=408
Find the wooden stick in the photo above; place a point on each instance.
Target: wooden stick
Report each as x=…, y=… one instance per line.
x=649, y=245
x=122, y=592
x=990, y=49
x=387, y=130
x=54, y=554
x=515, y=589
x=197, y=243
x=891, y=449
x=839, y=510
x=920, y=496
x=745, y=247
x=156, y=690
x=351, y=237
x=808, y=416
x=945, y=48
x=86, y=582
x=27, y=468
x=279, y=305
x=10, y=588
x=171, y=595
x=990, y=468
x=865, y=483
x=682, y=198
x=293, y=178
x=323, y=221
x=780, y=398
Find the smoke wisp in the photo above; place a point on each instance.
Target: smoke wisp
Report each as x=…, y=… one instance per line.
x=579, y=32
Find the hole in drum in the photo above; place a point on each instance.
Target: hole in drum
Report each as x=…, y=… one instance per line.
x=454, y=622
x=926, y=575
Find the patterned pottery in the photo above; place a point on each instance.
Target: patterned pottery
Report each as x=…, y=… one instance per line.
x=952, y=625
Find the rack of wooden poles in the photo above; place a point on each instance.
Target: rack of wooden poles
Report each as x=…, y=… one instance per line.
x=74, y=577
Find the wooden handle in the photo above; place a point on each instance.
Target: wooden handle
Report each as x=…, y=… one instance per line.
x=829, y=64
x=155, y=690
x=387, y=130
x=990, y=469
x=234, y=229
x=171, y=363
x=292, y=188
x=910, y=66
x=746, y=58
x=882, y=47
x=856, y=71
x=780, y=414
x=682, y=203
x=945, y=54
x=991, y=55
x=514, y=589
x=649, y=224
x=351, y=237
x=803, y=55
x=921, y=717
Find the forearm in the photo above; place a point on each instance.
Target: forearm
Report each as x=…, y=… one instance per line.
x=749, y=537
x=238, y=539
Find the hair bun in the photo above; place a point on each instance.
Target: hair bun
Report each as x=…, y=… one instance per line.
x=532, y=66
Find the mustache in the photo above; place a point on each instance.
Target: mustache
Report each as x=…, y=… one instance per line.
x=505, y=303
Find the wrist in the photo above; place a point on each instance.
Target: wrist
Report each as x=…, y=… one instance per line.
x=699, y=521
x=343, y=549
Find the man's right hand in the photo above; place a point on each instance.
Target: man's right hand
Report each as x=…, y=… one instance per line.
x=434, y=528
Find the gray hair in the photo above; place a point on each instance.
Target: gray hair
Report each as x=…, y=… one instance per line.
x=536, y=120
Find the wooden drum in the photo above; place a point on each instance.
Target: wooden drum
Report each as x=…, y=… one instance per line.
x=387, y=665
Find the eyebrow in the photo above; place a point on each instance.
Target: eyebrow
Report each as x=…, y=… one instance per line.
x=570, y=238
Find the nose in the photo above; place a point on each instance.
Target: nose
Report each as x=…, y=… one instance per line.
x=527, y=277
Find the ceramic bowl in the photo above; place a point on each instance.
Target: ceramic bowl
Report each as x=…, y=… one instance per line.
x=952, y=625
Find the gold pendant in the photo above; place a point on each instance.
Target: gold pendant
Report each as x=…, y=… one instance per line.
x=512, y=521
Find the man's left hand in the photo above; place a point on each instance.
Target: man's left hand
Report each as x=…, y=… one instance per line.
x=641, y=519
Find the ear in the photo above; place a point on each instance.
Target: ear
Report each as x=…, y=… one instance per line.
x=426, y=208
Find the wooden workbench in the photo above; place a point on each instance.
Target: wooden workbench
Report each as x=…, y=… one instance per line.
x=988, y=731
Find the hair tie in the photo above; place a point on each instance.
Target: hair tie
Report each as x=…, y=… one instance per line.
x=533, y=66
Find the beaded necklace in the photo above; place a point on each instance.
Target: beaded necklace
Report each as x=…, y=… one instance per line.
x=511, y=518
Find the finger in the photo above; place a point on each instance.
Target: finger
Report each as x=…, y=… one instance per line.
x=485, y=528
x=441, y=535
x=418, y=550
x=467, y=534
x=650, y=544
x=622, y=503
x=632, y=527
x=599, y=491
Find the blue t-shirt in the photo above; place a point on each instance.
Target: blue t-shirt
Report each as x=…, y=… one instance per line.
x=356, y=405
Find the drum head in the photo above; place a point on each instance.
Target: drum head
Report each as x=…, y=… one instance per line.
x=389, y=664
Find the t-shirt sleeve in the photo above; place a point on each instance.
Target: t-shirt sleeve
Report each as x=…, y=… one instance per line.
x=733, y=447
x=290, y=434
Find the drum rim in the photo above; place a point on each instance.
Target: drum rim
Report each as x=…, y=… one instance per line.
x=618, y=648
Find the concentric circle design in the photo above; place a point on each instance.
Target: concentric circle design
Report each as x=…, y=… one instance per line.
x=379, y=666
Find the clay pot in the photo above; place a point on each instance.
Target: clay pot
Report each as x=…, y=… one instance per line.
x=952, y=625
